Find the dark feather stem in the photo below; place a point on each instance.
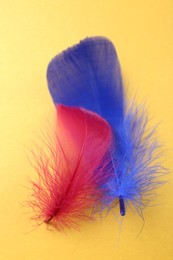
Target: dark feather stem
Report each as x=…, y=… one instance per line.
x=48, y=220
x=122, y=206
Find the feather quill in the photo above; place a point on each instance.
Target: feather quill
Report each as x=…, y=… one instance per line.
x=70, y=174
x=88, y=75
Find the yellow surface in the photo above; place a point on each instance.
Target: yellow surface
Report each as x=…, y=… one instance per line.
x=31, y=33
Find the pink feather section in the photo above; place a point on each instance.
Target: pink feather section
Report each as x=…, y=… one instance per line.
x=74, y=169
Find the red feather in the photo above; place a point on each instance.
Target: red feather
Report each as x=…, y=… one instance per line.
x=71, y=174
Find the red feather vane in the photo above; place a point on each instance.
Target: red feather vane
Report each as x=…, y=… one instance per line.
x=72, y=172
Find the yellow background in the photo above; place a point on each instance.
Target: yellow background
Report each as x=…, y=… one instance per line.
x=31, y=33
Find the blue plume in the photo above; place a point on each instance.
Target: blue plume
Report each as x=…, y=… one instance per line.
x=88, y=75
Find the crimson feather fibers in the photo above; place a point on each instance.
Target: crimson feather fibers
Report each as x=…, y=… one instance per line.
x=71, y=174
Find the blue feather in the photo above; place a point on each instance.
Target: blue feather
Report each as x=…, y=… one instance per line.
x=88, y=75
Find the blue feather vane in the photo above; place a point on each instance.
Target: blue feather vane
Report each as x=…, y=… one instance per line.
x=88, y=76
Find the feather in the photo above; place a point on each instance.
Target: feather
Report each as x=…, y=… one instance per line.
x=88, y=75
x=70, y=174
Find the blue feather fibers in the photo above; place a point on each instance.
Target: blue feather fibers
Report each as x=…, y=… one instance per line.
x=88, y=75
x=136, y=166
